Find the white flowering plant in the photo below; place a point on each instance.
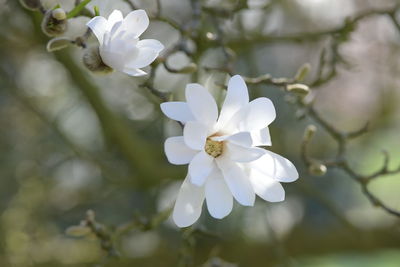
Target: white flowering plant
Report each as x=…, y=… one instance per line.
x=166, y=83
x=120, y=47
x=222, y=152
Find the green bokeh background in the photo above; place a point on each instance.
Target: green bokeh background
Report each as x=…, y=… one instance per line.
x=71, y=141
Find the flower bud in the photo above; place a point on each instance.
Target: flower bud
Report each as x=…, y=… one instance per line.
x=309, y=132
x=93, y=61
x=298, y=88
x=78, y=231
x=55, y=22
x=211, y=36
x=317, y=168
x=31, y=4
x=57, y=43
x=59, y=14
x=90, y=215
x=302, y=72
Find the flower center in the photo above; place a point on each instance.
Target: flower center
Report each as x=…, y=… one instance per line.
x=214, y=148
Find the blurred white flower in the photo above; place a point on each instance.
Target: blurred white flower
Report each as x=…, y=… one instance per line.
x=120, y=47
x=222, y=152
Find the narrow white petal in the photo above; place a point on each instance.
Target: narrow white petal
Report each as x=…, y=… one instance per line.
x=188, y=204
x=106, y=41
x=136, y=22
x=240, y=153
x=242, y=138
x=151, y=43
x=200, y=167
x=119, y=41
x=266, y=187
x=237, y=181
x=201, y=103
x=177, y=151
x=195, y=135
x=237, y=96
x=218, y=197
x=112, y=59
x=98, y=26
x=261, y=137
x=276, y=166
x=115, y=16
x=133, y=72
x=256, y=115
x=145, y=56
x=116, y=31
x=178, y=111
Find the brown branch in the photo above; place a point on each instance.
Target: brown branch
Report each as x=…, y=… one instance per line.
x=341, y=162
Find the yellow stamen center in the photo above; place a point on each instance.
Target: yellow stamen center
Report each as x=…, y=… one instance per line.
x=214, y=148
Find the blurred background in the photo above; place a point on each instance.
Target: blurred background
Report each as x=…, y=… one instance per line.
x=73, y=141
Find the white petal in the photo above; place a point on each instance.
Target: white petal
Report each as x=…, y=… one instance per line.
x=200, y=167
x=144, y=58
x=276, y=167
x=115, y=16
x=256, y=115
x=201, y=103
x=266, y=187
x=98, y=26
x=136, y=22
x=118, y=52
x=106, y=41
x=177, y=152
x=178, y=111
x=261, y=137
x=188, y=205
x=218, y=197
x=242, y=138
x=151, y=43
x=243, y=154
x=114, y=60
x=133, y=72
x=237, y=96
x=195, y=135
x=116, y=31
x=237, y=181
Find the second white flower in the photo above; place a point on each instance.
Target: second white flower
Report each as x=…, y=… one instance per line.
x=120, y=47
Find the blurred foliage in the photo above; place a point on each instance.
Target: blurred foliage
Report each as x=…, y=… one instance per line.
x=83, y=178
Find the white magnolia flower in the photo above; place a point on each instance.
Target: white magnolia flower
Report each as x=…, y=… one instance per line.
x=120, y=47
x=222, y=152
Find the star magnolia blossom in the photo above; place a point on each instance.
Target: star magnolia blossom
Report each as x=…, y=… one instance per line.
x=120, y=47
x=222, y=152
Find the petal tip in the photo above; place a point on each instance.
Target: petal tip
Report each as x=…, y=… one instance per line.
x=135, y=72
x=180, y=223
x=196, y=182
x=247, y=202
x=237, y=77
x=219, y=217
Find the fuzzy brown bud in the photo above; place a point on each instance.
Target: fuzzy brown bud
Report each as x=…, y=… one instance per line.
x=59, y=14
x=317, y=168
x=298, y=88
x=78, y=231
x=303, y=72
x=309, y=132
x=58, y=43
x=55, y=22
x=93, y=61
